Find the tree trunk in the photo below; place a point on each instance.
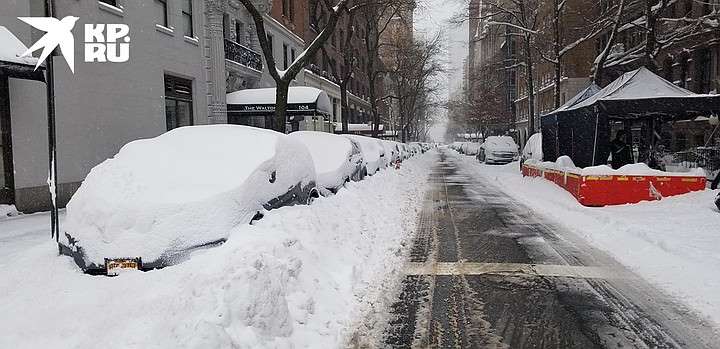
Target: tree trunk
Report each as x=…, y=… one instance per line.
x=344, y=106
x=530, y=85
x=281, y=97
x=650, y=38
x=374, y=110
x=556, y=48
x=600, y=65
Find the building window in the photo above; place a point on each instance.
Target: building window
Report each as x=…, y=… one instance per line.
x=161, y=13
x=287, y=9
x=285, y=56
x=178, y=102
x=187, y=16
x=239, y=32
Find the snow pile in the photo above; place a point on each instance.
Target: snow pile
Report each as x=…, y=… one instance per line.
x=672, y=243
x=304, y=276
x=8, y=211
x=184, y=188
x=533, y=148
x=565, y=164
x=330, y=154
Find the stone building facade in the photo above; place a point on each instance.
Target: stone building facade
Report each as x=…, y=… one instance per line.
x=102, y=106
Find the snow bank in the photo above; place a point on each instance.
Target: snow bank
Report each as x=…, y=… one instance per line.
x=330, y=154
x=533, y=148
x=8, y=211
x=672, y=243
x=565, y=164
x=304, y=276
x=184, y=188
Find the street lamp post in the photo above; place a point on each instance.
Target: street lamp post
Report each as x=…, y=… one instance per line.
x=52, y=149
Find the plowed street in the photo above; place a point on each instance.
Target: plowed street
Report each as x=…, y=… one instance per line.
x=485, y=272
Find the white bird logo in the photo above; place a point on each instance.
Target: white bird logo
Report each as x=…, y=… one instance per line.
x=58, y=34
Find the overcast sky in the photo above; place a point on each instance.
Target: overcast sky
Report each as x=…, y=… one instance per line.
x=433, y=16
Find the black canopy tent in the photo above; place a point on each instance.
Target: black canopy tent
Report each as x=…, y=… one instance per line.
x=556, y=140
x=582, y=131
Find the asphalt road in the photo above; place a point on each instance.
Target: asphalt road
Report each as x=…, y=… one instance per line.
x=485, y=272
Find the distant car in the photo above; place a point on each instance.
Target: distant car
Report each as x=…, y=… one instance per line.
x=372, y=152
x=337, y=159
x=532, y=150
x=471, y=148
x=159, y=199
x=498, y=150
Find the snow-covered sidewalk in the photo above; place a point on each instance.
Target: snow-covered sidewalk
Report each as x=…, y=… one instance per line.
x=304, y=276
x=673, y=243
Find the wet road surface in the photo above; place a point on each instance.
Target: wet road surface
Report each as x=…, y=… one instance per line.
x=485, y=272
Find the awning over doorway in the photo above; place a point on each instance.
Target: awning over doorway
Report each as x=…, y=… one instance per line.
x=11, y=64
x=302, y=100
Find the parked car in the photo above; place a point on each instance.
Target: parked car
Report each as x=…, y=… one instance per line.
x=159, y=199
x=498, y=150
x=392, y=152
x=532, y=150
x=372, y=152
x=337, y=159
x=471, y=148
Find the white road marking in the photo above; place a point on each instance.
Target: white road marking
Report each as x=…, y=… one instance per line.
x=513, y=269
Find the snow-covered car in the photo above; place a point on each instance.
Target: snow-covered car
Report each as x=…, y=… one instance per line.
x=471, y=148
x=532, y=149
x=337, y=159
x=498, y=150
x=392, y=152
x=159, y=199
x=372, y=152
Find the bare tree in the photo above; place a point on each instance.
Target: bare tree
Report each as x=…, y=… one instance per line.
x=413, y=74
x=284, y=77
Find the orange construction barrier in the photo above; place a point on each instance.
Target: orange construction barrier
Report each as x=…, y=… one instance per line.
x=602, y=190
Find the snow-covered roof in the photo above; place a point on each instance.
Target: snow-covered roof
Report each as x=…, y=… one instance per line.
x=296, y=95
x=580, y=97
x=11, y=48
x=637, y=84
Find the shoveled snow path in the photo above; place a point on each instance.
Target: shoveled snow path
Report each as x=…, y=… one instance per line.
x=673, y=243
x=304, y=276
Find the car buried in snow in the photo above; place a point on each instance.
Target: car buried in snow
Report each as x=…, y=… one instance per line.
x=160, y=199
x=372, y=151
x=498, y=150
x=337, y=159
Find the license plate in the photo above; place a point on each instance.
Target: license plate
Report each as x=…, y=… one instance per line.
x=116, y=266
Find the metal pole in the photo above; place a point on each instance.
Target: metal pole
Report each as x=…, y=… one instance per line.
x=52, y=149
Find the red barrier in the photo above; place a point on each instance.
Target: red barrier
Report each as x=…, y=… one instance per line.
x=617, y=190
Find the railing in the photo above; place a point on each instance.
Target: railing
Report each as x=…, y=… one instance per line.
x=242, y=55
x=324, y=73
x=705, y=157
